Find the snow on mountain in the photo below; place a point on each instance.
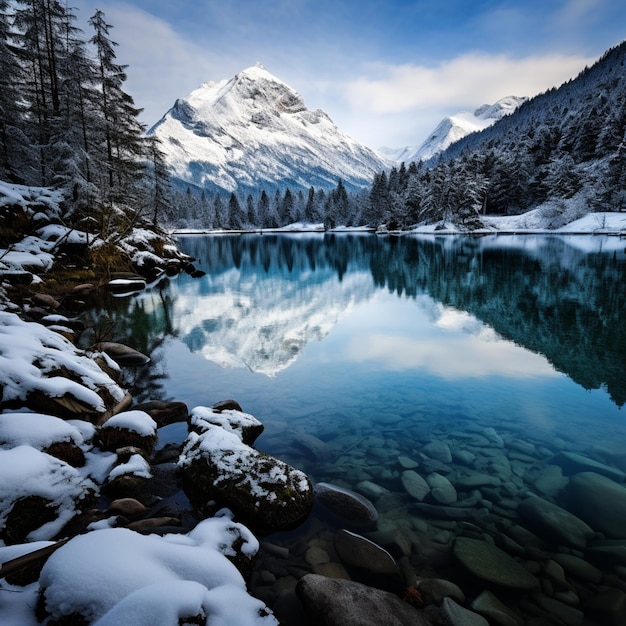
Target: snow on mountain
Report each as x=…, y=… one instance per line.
x=455, y=127
x=254, y=132
x=267, y=329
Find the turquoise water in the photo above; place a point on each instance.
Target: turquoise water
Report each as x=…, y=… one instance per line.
x=358, y=352
x=311, y=329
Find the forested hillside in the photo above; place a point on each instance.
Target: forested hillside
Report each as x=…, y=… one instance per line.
x=563, y=150
x=563, y=144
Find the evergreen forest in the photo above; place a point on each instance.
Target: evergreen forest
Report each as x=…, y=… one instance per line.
x=67, y=122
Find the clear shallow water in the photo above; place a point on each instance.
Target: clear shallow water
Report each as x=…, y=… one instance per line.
x=526, y=329
x=355, y=350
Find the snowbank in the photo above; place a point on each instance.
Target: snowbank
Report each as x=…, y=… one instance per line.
x=117, y=576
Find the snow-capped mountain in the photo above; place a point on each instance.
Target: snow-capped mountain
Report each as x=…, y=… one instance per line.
x=455, y=127
x=254, y=132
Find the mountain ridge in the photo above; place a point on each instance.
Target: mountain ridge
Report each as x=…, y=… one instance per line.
x=455, y=127
x=254, y=132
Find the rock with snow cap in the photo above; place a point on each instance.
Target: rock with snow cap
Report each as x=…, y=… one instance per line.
x=267, y=493
x=44, y=372
x=39, y=494
x=47, y=433
x=128, y=428
x=117, y=576
x=244, y=425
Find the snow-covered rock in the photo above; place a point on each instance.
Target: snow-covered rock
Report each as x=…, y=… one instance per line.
x=117, y=576
x=39, y=494
x=42, y=371
x=265, y=491
x=253, y=132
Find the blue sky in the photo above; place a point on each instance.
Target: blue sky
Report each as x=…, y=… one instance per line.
x=385, y=71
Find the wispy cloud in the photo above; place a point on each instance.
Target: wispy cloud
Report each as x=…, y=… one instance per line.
x=473, y=78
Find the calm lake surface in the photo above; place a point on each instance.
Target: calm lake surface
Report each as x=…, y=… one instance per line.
x=356, y=350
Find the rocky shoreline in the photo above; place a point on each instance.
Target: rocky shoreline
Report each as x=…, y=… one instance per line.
x=471, y=525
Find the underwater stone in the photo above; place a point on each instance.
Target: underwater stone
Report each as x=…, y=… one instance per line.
x=489, y=563
x=600, y=501
x=579, y=568
x=551, y=480
x=360, y=552
x=573, y=463
x=454, y=614
x=554, y=523
x=350, y=507
x=335, y=602
x=442, y=490
x=438, y=450
x=415, y=485
x=371, y=490
x=477, y=480
x=407, y=463
x=488, y=605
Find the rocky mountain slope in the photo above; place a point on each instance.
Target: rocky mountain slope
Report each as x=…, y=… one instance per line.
x=455, y=127
x=254, y=132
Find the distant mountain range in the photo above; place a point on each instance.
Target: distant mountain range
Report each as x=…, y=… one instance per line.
x=254, y=132
x=453, y=128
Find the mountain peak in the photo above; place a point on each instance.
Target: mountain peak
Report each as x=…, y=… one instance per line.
x=457, y=126
x=254, y=132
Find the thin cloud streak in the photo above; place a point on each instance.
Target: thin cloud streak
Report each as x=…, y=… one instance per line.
x=457, y=82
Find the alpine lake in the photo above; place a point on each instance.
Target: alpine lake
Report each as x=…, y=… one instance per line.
x=492, y=367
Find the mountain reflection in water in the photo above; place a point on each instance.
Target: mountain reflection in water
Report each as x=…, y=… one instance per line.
x=264, y=298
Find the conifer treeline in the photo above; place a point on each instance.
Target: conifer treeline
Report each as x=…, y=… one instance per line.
x=66, y=122
x=199, y=209
x=567, y=141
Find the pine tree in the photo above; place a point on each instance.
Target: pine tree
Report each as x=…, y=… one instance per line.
x=250, y=212
x=16, y=156
x=122, y=141
x=160, y=179
x=235, y=216
x=263, y=209
x=38, y=31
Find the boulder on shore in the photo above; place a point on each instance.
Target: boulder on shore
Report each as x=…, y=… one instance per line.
x=267, y=493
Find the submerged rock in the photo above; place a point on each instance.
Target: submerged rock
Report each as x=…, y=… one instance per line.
x=554, y=523
x=442, y=490
x=337, y=602
x=374, y=563
x=491, y=564
x=415, y=485
x=349, y=507
x=600, y=501
x=574, y=463
x=489, y=605
x=456, y=615
x=121, y=354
